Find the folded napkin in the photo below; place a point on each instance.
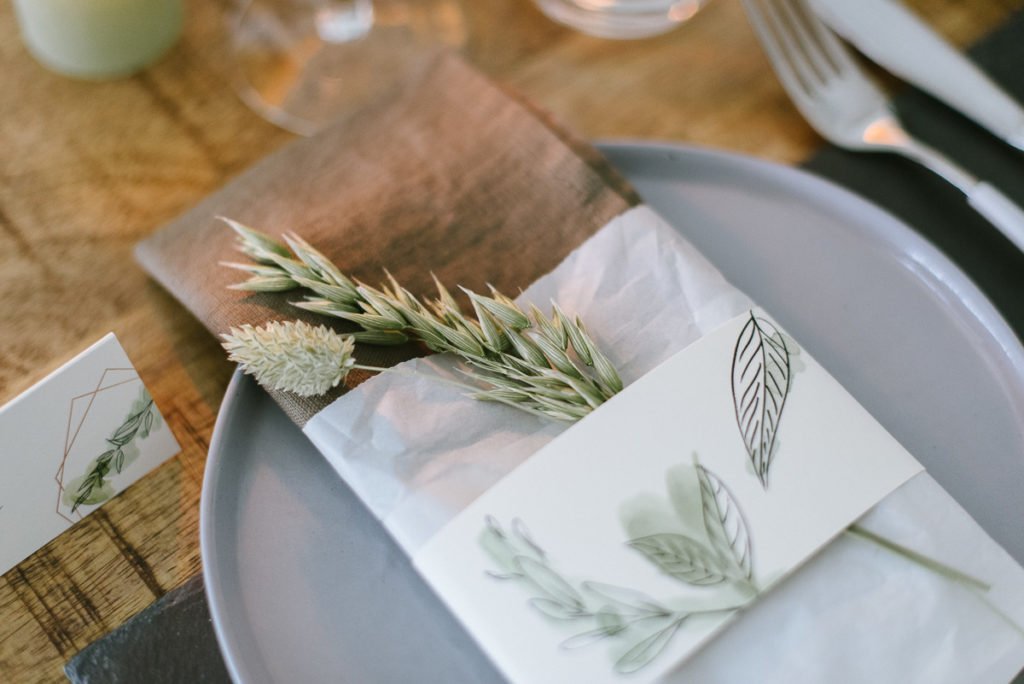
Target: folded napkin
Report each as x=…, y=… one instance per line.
x=454, y=176
x=450, y=174
x=418, y=452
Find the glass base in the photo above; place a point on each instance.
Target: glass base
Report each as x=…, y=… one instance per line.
x=621, y=19
x=302, y=64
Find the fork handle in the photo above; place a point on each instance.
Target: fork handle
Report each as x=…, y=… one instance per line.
x=1000, y=210
x=988, y=201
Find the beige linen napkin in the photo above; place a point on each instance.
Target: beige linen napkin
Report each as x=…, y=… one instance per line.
x=449, y=174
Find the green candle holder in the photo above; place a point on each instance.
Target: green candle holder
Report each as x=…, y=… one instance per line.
x=99, y=39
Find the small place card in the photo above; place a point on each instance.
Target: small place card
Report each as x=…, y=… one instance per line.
x=70, y=443
x=617, y=550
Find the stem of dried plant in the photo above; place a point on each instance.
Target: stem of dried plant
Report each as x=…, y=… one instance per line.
x=546, y=365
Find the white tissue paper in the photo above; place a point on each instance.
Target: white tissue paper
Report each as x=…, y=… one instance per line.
x=418, y=452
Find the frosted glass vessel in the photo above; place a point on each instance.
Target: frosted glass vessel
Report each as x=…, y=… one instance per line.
x=97, y=39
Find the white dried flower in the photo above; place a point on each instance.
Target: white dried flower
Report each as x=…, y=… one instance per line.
x=292, y=356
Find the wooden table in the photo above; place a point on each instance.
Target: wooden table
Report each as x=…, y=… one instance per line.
x=88, y=169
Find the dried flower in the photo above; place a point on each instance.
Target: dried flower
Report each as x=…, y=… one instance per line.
x=292, y=356
x=546, y=365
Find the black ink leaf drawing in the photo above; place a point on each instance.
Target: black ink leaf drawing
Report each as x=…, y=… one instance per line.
x=725, y=525
x=760, y=384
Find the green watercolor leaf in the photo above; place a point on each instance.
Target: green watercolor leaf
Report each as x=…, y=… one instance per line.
x=609, y=617
x=556, y=609
x=634, y=602
x=127, y=431
x=607, y=627
x=147, y=423
x=681, y=557
x=91, y=490
x=549, y=582
x=647, y=649
x=522, y=534
x=93, y=487
x=725, y=526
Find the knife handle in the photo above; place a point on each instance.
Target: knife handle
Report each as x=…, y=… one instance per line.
x=894, y=37
x=1000, y=210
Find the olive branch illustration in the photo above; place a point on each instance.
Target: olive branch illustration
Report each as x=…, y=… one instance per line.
x=647, y=625
x=93, y=487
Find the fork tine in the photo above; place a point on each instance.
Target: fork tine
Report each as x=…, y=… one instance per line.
x=797, y=57
x=796, y=84
x=836, y=52
x=807, y=41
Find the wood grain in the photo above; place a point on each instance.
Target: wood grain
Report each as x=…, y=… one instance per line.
x=88, y=169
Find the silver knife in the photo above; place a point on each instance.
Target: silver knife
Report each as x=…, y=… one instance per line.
x=891, y=35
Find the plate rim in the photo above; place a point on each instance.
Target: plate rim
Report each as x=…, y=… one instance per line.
x=921, y=252
x=207, y=528
x=925, y=254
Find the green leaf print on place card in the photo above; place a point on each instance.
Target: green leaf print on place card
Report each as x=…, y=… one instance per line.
x=726, y=528
x=721, y=557
x=681, y=557
x=75, y=440
x=94, y=487
x=637, y=552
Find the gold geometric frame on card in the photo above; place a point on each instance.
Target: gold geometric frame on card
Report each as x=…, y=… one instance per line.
x=69, y=438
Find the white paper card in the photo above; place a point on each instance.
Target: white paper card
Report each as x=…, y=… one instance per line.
x=631, y=539
x=72, y=442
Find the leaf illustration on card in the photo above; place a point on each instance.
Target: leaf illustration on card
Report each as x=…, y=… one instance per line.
x=726, y=528
x=609, y=624
x=681, y=557
x=626, y=601
x=557, y=590
x=555, y=609
x=648, y=649
x=760, y=384
x=642, y=625
x=94, y=487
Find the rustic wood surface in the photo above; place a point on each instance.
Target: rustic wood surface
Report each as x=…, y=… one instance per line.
x=87, y=169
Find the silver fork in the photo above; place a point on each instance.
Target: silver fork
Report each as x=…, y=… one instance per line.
x=842, y=103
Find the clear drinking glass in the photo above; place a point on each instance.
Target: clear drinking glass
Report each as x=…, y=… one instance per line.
x=304, y=63
x=621, y=18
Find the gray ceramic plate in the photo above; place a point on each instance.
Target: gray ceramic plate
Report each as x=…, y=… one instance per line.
x=305, y=586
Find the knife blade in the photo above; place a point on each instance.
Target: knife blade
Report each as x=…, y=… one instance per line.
x=894, y=37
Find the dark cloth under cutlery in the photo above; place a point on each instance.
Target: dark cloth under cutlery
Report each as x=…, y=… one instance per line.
x=933, y=207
